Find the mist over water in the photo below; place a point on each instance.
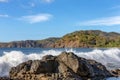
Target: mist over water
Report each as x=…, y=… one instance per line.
x=108, y=57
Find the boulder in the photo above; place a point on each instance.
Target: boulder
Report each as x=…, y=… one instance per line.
x=98, y=69
x=83, y=67
x=66, y=66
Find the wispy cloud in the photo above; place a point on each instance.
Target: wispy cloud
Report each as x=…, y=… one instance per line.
x=108, y=21
x=36, y=18
x=47, y=1
x=3, y=0
x=4, y=15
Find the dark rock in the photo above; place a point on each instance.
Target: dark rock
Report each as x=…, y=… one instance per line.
x=48, y=57
x=66, y=66
x=83, y=67
x=38, y=66
x=98, y=69
x=116, y=72
x=22, y=68
x=5, y=78
x=70, y=60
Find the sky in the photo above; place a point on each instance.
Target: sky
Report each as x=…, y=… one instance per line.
x=40, y=19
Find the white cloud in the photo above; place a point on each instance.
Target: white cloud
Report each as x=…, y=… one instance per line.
x=4, y=15
x=47, y=1
x=36, y=18
x=3, y=0
x=108, y=21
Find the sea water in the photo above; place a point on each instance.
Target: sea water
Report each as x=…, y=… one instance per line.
x=10, y=57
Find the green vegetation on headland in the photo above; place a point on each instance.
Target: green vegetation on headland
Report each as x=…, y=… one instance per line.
x=88, y=38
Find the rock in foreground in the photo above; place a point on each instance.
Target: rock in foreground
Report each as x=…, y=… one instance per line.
x=66, y=66
x=116, y=72
x=5, y=78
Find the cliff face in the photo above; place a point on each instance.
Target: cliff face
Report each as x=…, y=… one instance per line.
x=19, y=44
x=88, y=38
x=46, y=43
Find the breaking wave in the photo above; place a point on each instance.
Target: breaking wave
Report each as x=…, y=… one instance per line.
x=109, y=57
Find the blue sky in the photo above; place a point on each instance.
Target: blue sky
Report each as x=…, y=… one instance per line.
x=40, y=19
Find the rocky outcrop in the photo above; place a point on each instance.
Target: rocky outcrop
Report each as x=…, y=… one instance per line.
x=116, y=72
x=5, y=78
x=66, y=66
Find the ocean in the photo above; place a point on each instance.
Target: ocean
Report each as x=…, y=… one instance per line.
x=9, y=57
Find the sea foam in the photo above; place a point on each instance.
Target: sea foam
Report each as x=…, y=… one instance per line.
x=109, y=57
x=13, y=58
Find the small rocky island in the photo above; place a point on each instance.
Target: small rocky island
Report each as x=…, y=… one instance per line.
x=66, y=66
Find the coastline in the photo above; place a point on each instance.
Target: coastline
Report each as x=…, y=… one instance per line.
x=77, y=39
